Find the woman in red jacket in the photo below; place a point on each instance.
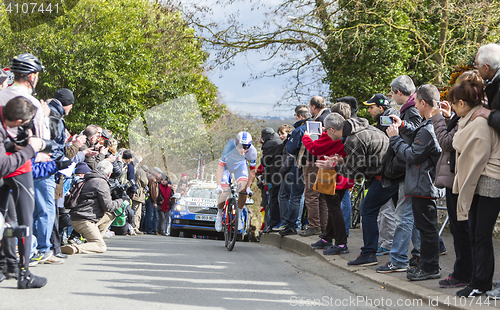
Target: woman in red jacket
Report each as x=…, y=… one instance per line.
x=165, y=194
x=335, y=228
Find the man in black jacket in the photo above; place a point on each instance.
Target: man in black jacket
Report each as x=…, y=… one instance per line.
x=421, y=156
x=272, y=148
x=379, y=105
x=488, y=65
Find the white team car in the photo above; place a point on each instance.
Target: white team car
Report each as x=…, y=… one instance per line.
x=195, y=212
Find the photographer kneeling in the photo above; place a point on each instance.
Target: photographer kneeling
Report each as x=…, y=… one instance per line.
x=93, y=213
x=15, y=168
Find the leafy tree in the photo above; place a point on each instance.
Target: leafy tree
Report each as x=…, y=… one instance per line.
x=119, y=57
x=357, y=47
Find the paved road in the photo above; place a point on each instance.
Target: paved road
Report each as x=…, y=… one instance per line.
x=153, y=272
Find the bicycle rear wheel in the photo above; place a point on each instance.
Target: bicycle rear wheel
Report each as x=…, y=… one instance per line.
x=231, y=223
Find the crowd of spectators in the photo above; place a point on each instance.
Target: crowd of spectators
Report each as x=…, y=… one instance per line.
x=67, y=192
x=74, y=190
x=421, y=149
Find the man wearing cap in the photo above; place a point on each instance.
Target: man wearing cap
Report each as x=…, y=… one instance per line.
x=272, y=148
x=127, y=159
x=353, y=103
x=59, y=106
x=81, y=169
x=379, y=105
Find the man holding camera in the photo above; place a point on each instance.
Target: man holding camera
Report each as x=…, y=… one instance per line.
x=94, y=211
x=15, y=168
x=26, y=69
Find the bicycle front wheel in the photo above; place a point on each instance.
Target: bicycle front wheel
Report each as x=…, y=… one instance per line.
x=231, y=224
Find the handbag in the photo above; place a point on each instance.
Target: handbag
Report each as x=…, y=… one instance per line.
x=326, y=180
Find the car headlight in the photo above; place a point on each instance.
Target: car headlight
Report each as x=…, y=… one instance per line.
x=179, y=207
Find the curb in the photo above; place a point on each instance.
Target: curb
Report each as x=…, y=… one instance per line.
x=298, y=245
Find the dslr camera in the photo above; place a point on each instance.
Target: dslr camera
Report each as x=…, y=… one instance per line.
x=23, y=137
x=12, y=230
x=120, y=192
x=17, y=231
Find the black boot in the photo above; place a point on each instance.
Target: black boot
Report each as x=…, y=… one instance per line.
x=11, y=271
x=28, y=280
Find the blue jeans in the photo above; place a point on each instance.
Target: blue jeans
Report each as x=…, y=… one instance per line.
x=301, y=210
x=45, y=211
x=405, y=230
x=284, y=198
x=296, y=193
x=151, y=220
x=345, y=206
x=375, y=198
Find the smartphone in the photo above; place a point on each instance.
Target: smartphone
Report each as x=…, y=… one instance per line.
x=314, y=128
x=385, y=121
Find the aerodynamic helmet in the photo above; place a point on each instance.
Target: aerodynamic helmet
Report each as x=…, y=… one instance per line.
x=244, y=139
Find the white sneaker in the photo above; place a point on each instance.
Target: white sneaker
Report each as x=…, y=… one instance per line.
x=494, y=294
x=240, y=223
x=218, y=222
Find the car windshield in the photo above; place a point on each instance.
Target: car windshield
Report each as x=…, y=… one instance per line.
x=197, y=192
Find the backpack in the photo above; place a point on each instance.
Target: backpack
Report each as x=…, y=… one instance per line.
x=71, y=199
x=119, y=220
x=121, y=215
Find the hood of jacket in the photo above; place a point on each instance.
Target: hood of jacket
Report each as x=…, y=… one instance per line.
x=56, y=106
x=300, y=123
x=356, y=125
x=96, y=174
x=272, y=141
x=409, y=103
x=268, y=133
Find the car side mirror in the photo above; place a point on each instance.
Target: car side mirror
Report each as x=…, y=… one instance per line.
x=177, y=196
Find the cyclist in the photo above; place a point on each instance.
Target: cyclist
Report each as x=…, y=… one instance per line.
x=234, y=160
